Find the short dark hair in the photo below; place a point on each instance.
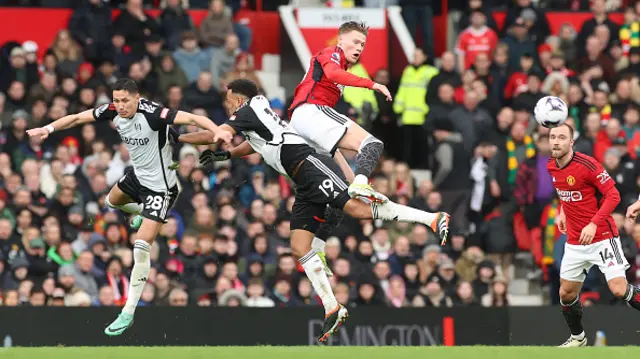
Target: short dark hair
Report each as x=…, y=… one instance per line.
x=358, y=26
x=243, y=87
x=126, y=84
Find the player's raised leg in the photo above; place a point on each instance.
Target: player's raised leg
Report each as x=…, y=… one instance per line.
x=612, y=263
x=391, y=211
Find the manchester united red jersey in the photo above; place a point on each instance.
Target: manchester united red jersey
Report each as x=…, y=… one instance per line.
x=576, y=185
x=326, y=78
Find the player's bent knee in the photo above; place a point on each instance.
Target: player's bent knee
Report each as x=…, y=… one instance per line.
x=568, y=295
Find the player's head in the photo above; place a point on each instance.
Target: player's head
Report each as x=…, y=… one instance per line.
x=352, y=36
x=561, y=140
x=238, y=92
x=125, y=97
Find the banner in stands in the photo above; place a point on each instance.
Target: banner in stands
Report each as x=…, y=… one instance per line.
x=194, y=326
x=319, y=27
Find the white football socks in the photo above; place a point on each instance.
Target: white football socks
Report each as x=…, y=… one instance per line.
x=139, y=275
x=391, y=211
x=131, y=208
x=317, y=245
x=314, y=268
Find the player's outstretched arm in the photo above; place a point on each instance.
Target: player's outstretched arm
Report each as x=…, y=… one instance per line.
x=197, y=138
x=187, y=118
x=335, y=73
x=633, y=210
x=62, y=123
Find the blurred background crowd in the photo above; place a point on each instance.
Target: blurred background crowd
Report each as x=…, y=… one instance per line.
x=465, y=117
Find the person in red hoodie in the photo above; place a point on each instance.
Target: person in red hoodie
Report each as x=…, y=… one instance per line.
x=517, y=82
x=606, y=137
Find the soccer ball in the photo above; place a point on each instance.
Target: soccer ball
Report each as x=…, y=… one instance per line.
x=550, y=111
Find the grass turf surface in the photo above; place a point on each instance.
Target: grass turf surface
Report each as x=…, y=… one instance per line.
x=316, y=352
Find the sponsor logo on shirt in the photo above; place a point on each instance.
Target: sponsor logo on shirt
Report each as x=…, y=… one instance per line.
x=135, y=141
x=569, y=196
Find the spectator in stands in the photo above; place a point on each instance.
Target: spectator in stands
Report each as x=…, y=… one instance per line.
x=519, y=41
x=17, y=71
x=191, y=59
x=90, y=26
x=600, y=17
x=68, y=53
x=174, y=20
x=595, y=64
x=535, y=20
x=224, y=61
x=243, y=70
x=136, y=24
x=419, y=14
x=216, y=26
x=476, y=39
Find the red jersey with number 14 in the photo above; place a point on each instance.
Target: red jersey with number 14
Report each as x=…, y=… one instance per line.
x=325, y=80
x=576, y=185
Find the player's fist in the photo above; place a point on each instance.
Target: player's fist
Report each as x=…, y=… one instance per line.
x=633, y=210
x=39, y=132
x=383, y=90
x=208, y=157
x=222, y=135
x=588, y=233
x=561, y=220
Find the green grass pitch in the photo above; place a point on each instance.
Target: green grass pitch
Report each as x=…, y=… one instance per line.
x=317, y=352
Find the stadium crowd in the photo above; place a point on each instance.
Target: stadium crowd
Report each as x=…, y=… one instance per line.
x=226, y=242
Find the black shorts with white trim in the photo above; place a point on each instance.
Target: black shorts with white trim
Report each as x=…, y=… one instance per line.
x=319, y=181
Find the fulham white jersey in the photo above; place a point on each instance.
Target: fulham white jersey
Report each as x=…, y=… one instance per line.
x=267, y=134
x=146, y=138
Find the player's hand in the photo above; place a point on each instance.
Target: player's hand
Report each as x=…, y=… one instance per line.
x=40, y=132
x=383, y=90
x=222, y=135
x=588, y=233
x=561, y=220
x=633, y=211
x=208, y=157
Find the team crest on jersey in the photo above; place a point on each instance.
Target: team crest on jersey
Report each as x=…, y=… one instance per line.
x=603, y=177
x=335, y=57
x=571, y=180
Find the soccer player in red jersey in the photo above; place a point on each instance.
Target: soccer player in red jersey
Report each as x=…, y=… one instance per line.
x=313, y=117
x=592, y=235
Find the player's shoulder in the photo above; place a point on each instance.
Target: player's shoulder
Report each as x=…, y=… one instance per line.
x=106, y=111
x=334, y=52
x=148, y=107
x=587, y=162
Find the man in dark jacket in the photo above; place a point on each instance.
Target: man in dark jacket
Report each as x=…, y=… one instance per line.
x=452, y=165
x=90, y=26
x=447, y=73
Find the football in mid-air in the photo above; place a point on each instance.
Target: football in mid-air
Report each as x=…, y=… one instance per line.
x=550, y=111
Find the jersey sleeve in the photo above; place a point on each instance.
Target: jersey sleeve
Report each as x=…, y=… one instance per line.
x=106, y=112
x=332, y=64
x=600, y=178
x=244, y=120
x=461, y=46
x=157, y=115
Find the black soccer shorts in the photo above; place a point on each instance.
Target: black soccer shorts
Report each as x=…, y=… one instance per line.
x=156, y=204
x=319, y=182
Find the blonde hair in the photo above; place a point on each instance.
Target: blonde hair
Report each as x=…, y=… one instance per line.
x=74, y=51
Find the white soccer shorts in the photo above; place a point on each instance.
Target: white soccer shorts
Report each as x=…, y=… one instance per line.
x=322, y=126
x=607, y=255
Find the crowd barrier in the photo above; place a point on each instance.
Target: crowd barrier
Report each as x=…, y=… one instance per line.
x=194, y=326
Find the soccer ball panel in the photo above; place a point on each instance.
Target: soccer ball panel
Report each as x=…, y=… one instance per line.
x=550, y=111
